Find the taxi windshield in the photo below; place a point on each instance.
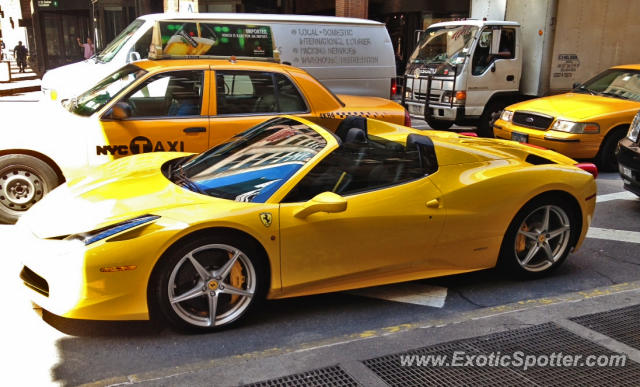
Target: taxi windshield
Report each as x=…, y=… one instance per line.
x=253, y=165
x=95, y=98
x=444, y=45
x=116, y=44
x=616, y=83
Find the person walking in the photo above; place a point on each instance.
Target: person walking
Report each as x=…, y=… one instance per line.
x=20, y=53
x=88, y=47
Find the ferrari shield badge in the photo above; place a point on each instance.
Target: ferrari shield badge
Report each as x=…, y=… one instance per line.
x=265, y=217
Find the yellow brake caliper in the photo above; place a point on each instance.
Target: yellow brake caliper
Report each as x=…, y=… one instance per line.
x=521, y=240
x=237, y=280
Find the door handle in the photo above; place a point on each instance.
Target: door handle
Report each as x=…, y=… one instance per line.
x=433, y=203
x=510, y=78
x=195, y=129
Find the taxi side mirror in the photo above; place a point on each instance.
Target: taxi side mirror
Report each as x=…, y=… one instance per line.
x=324, y=202
x=120, y=111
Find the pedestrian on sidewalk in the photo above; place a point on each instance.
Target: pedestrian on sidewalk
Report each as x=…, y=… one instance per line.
x=20, y=53
x=89, y=48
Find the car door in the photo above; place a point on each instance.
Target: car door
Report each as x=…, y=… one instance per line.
x=165, y=112
x=392, y=219
x=244, y=99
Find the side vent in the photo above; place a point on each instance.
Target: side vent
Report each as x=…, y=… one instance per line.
x=537, y=160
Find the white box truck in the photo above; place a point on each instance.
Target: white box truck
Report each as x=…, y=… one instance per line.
x=464, y=71
x=348, y=55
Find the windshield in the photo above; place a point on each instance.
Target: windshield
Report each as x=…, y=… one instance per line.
x=95, y=98
x=444, y=45
x=116, y=44
x=617, y=83
x=254, y=164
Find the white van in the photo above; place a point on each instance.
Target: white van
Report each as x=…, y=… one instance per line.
x=348, y=55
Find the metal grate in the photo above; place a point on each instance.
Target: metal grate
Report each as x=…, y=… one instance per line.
x=329, y=376
x=545, y=339
x=619, y=324
x=531, y=120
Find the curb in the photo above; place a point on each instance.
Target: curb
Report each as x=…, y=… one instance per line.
x=19, y=90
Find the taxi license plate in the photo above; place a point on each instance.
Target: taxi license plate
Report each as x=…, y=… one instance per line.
x=520, y=137
x=416, y=109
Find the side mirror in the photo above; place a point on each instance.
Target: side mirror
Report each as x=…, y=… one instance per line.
x=324, y=202
x=133, y=56
x=575, y=85
x=120, y=111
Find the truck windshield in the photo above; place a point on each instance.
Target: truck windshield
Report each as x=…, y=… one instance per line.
x=116, y=44
x=449, y=44
x=617, y=83
x=95, y=98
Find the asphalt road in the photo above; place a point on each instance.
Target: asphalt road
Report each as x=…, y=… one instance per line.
x=53, y=350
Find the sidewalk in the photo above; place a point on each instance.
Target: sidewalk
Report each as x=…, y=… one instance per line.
x=564, y=340
x=20, y=82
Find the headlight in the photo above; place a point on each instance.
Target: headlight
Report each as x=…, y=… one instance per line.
x=96, y=235
x=507, y=115
x=576, y=127
x=634, y=129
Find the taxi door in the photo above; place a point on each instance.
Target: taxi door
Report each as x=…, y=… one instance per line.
x=165, y=112
x=242, y=99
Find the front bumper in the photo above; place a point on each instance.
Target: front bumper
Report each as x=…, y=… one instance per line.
x=628, y=154
x=444, y=112
x=64, y=277
x=576, y=146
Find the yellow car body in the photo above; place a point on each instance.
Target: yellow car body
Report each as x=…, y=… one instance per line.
x=167, y=105
x=606, y=114
x=450, y=221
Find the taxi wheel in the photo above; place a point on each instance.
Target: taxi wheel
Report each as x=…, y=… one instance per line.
x=606, y=158
x=539, y=238
x=208, y=283
x=24, y=180
x=439, y=124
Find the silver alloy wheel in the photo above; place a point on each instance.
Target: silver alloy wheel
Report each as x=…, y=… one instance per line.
x=20, y=188
x=200, y=285
x=542, y=238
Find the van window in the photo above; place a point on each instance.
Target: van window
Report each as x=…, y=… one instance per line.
x=116, y=44
x=177, y=93
x=143, y=44
x=249, y=92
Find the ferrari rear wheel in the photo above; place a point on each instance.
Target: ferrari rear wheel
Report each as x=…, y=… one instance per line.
x=208, y=284
x=539, y=238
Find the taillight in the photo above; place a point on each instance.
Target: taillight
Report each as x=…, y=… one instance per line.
x=407, y=118
x=394, y=87
x=589, y=167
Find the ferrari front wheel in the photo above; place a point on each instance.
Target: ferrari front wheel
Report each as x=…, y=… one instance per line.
x=208, y=283
x=539, y=238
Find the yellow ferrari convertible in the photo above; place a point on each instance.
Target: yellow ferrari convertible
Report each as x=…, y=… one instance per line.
x=288, y=208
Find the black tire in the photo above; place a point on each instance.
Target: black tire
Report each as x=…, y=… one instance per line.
x=211, y=252
x=485, y=127
x=527, y=234
x=606, y=158
x=24, y=180
x=439, y=124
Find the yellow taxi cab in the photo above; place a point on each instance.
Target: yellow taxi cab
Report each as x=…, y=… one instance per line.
x=586, y=123
x=184, y=105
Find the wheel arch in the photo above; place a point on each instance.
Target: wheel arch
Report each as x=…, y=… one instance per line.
x=38, y=155
x=617, y=128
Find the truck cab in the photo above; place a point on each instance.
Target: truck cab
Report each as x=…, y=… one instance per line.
x=464, y=71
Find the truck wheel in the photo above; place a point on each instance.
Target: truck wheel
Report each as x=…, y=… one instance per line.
x=606, y=158
x=439, y=124
x=24, y=180
x=485, y=123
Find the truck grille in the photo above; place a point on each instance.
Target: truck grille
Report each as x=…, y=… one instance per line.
x=432, y=97
x=34, y=281
x=532, y=120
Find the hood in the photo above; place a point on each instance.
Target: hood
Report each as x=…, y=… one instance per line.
x=120, y=190
x=577, y=106
x=75, y=78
